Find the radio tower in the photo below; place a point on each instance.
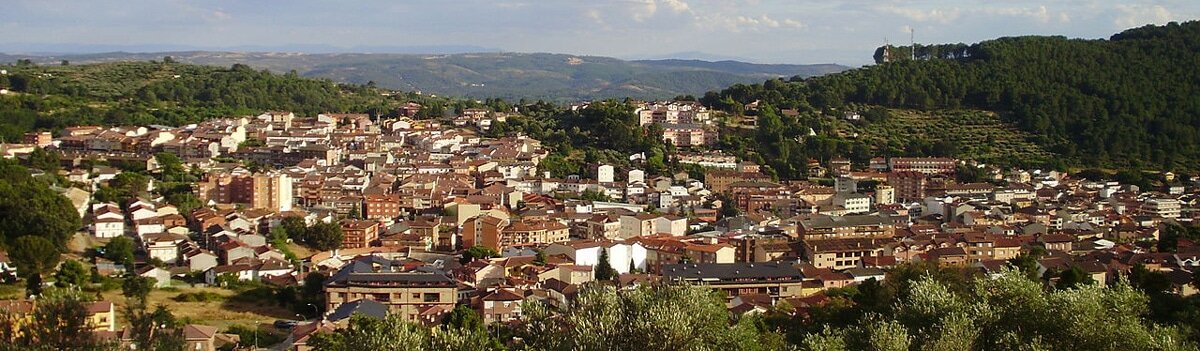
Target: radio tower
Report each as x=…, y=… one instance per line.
x=887, y=52
x=912, y=34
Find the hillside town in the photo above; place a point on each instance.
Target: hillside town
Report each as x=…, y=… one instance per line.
x=433, y=216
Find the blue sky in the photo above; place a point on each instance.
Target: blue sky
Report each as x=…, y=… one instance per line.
x=791, y=31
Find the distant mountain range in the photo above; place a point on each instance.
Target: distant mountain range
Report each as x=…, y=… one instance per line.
x=557, y=77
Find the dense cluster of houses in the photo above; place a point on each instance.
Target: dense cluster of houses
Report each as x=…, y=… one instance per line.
x=412, y=195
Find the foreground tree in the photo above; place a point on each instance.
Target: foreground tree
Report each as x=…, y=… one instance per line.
x=71, y=273
x=120, y=250
x=28, y=207
x=662, y=317
x=33, y=255
x=58, y=322
x=323, y=236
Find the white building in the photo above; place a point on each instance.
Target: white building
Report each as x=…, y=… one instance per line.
x=107, y=221
x=604, y=174
x=885, y=195
x=1165, y=208
x=621, y=255
x=853, y=203
x=636, y=176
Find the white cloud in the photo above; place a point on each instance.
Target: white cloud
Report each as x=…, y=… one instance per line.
x=594, y=15
x=643, y=9
x=679, y=6
x=919, y=15
x=1039, y=14
x=219, y=15
x=1137, y=16
x=742, y=23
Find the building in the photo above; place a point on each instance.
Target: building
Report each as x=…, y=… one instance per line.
x=908, y=186
x=271, y=191
x=40, y=139
x=1165, y=208
x=842, y=253
x=500, y=233
x=853, y=203
x=885, y=194
x=102, y=316
x=719, y=180
x=688, y=135
x=406, y=293
x=381, y=206
x=359, y=233
x=851, y=226
x=925, y=165
x=776, y=279
x=107, y=221
x=604, y=173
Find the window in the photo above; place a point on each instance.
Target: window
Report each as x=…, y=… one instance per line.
x=432, y=297
x=416, y=296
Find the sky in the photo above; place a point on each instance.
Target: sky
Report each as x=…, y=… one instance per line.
x=764, y=31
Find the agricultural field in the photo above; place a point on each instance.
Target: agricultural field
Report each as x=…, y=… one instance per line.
x=218, y=307
x=975, y=135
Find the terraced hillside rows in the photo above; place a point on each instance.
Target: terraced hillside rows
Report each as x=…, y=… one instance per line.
x=973, y=135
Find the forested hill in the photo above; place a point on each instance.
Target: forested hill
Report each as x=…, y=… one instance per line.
x=50, y=97
x=512, y=76
x=1128, y=101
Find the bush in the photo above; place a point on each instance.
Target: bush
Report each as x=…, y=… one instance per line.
x=198, y=296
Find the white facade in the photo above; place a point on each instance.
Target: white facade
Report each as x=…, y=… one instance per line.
x=636, y=176
x=885, y=195
x=604, y=174
x=853, y=203
x=619, y=256
x=676, y=227
x=106, y=228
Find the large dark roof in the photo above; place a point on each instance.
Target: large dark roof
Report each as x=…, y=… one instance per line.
x=731, y=270
x=370, y=308
x=372, y=270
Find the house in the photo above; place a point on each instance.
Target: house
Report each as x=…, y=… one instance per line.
x=107, y=221
x=674, y=225
x=102, y=316
x=239, y=272
x=7, y=268
x=500, y=305
x=206, y=338
x=162, y=277
x=163, y=246
x=198, y=260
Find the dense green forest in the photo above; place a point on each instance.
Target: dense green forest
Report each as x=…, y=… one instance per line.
x=1129, y=101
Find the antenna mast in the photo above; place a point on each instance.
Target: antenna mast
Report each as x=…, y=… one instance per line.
x=912, y=34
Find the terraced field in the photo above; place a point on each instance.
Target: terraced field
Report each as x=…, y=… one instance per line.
x=977, y=135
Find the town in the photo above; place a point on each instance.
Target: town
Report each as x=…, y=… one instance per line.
x=420, y=217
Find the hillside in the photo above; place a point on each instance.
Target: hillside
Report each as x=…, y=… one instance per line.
x=1128, y=101
x=513, y=76
x=976, y=135
x=50, y=97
